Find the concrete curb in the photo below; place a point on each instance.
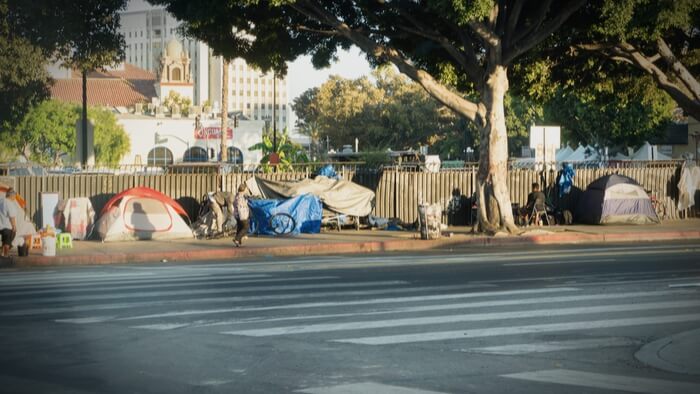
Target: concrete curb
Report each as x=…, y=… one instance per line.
x=309, y=249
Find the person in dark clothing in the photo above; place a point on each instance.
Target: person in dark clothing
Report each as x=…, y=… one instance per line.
x=535, y=199
x=242, y=214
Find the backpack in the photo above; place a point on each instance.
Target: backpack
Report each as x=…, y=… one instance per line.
x=240, y=205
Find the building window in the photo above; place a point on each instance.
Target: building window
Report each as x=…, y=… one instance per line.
x=195, y=154
x=248, y=93
x=160, y=156
x=247, y=105
x=235, y=155
x=156, y=33
x=176, y=75
x=141, y=33
x=284, y=106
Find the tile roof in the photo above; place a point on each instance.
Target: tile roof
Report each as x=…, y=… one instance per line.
x=109, y=88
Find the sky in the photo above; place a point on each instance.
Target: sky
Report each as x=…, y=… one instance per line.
x=302, y=76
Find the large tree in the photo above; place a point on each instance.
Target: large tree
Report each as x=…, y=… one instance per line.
x=389, y=111
x=24, y=80
x=660, y=38
x=47, y=134
x=82, y=34
x=474, y=41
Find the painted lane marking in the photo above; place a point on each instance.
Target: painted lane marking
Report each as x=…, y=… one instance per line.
x=608, y=382
x=363, y=388
x=421, y=321
x=559, y=262
x=343, y=303
x=178, y=283
x=517, y=330
x=228, y=299
x=685, y=285
x=167, y=293
x=554, y=346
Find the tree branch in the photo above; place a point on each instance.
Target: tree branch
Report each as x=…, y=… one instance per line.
x=383, y=53
x=467, y=60
x=685, y=99
x=540, y=15
x=512, y=20
x=678, y=68
x=540, y=34
x=487, y=36
x=317, y=31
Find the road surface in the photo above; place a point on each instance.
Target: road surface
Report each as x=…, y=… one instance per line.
x=492, y=320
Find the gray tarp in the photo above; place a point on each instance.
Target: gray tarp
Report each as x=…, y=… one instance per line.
x=337, y=195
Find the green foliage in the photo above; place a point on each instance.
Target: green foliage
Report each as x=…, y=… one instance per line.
x=391, y=112
x=375, y=159
x=289, y=153
x=174, y=98
x=111, y=141
x=47, y=134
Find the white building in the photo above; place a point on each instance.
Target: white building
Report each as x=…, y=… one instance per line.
x=148, y=29
x=163, y=141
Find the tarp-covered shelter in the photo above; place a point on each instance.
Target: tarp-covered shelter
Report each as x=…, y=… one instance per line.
x=648, y=152
x=337, y=195
x=615, y=199
x=306, y=211
x=141, y=213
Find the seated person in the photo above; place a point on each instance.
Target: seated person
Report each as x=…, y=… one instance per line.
x=217, y=201
x=535, y=198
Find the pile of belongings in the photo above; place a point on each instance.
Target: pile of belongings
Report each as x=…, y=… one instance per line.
x=215, y=217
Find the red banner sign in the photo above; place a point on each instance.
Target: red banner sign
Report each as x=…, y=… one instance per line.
x=212, y=133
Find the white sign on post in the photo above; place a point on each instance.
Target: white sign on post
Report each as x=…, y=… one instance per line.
x=545, y=140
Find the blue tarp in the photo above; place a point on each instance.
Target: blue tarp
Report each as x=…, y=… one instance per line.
x=306, y=210
x=328, y=171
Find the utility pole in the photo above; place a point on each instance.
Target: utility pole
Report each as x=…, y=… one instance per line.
x=274, y=113
x=224, y=111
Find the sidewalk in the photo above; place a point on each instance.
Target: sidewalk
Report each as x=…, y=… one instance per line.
x=345, y=242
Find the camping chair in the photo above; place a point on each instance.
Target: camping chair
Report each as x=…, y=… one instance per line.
x=536, y=215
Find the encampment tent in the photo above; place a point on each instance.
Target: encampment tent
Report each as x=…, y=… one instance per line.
x=338, y=195
x=615, y=199
x=141, y=213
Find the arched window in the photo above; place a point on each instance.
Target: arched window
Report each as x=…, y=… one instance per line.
x=235, y=155
x=195, y=155
x=160, y=156
x=176, y=75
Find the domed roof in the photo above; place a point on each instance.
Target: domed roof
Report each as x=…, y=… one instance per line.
x=173, y=49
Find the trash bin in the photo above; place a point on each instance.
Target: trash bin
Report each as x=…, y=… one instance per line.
x=48, y=245
x=23, y=250
x=429, y=217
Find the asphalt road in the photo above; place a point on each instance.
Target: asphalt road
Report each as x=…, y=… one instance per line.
x=491, y=320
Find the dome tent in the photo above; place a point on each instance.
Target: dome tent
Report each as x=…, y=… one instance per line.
x=141, y=213
x=615, y=199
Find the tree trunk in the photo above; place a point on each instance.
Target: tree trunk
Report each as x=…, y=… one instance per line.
x=224, y=112
x=495, y=211
x=84, y=131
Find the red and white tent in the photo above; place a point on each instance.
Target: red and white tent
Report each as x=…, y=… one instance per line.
x=141, y=213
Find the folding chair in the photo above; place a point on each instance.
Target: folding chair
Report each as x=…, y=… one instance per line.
x=537, y=211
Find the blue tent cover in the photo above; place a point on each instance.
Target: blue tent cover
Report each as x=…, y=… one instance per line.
x=306, y=210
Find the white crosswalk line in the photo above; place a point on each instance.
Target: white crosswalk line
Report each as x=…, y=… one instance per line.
x=350, y=303
x=364, y=388
x=190, y=292
x=152, y=285
x=228, y=299
x=418, y=321
x=607, y=382
x=516, y=330
x=553, y=346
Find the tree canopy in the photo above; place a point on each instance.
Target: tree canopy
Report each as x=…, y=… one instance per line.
x=658, y=38
x=47, y=134
x=445, y=46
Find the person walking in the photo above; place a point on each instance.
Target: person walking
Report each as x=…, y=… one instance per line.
x=8, y=221
x=242, y=214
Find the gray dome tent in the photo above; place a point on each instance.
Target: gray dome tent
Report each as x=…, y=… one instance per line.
x=615, y=199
